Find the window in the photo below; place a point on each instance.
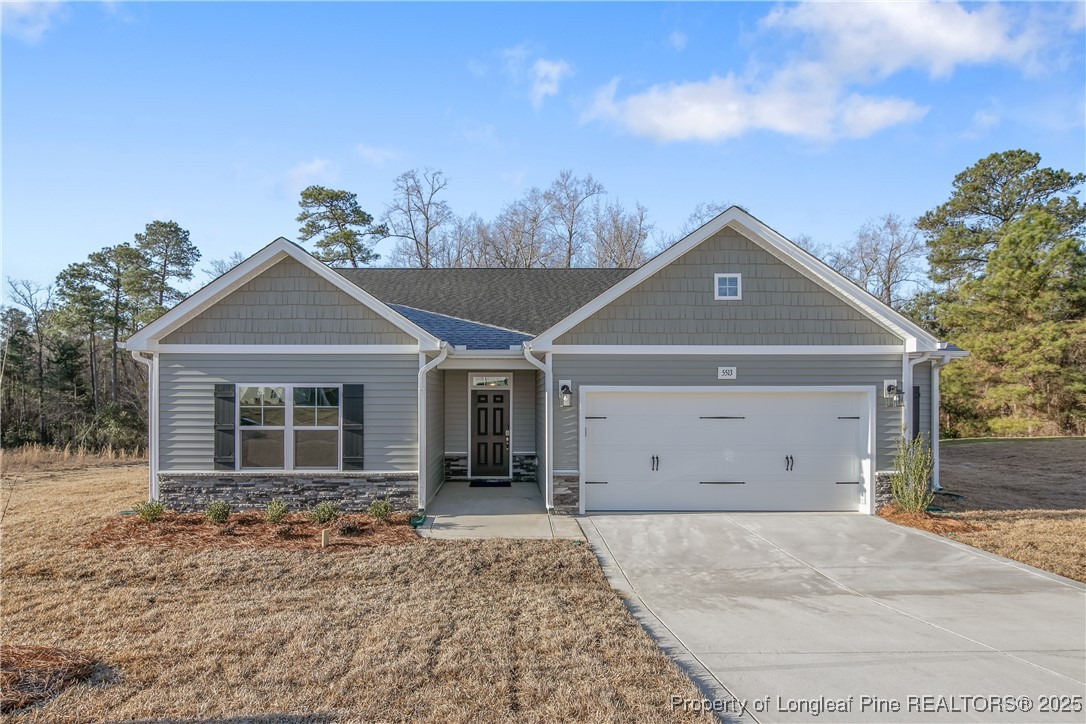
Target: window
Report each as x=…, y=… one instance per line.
x=301, y=435
x=490, y=380
x=727, y=286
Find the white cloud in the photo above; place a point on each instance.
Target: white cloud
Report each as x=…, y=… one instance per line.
x=677, y=40
x=29, y=21
x=307, y=173
x=547, y=75
x=376, y=155
x=823, y=91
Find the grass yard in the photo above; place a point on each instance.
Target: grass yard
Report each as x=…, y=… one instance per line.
x=420, y=629
x=1025, y=497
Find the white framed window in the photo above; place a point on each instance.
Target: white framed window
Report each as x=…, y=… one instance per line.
x=727, y=287
x=288, y=427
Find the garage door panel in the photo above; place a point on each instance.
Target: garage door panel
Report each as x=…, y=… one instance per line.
x=725, y=451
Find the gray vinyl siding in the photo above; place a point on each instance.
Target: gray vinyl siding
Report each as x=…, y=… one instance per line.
x=700, y=371
x=288, y=304
x=187, y=387
x=541, y=429
x=922, y=379
x=523, y=413
x=779, y=305
x=435, y=431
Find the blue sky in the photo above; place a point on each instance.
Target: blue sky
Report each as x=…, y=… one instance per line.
x=814, y=117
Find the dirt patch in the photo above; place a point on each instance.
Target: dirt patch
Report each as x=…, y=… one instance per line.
x=32, y=674
x=940, y=524
x=451, y=631
x=192, y=531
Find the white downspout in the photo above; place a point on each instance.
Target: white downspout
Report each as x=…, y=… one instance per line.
x=935, y=365
x=907, y=383
x=548, y=478
x=152, y=421
x=424, y=369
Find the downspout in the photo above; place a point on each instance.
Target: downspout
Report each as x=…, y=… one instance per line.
x=907, y=383
x=424, y=369
x=548, y=466
x=152, y=422
x=936, y=363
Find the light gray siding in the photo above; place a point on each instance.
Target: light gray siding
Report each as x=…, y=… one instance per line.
x=288, y=304
x=922, y=379
x=523, y=413
x=779, y=305
x=435, y=431
x=700, y=371
x=541, y=429
x=186, y=400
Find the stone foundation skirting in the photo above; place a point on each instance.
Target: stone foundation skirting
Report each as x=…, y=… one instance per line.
x=191, y=492
x=567, y=494
x=524, y=468
x=883, y=495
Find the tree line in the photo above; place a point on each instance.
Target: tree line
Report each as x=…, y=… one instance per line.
x=999, y=269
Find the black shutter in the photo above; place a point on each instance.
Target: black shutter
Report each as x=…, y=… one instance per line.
x=353, y=428
x=224, y=426
x=916, y=411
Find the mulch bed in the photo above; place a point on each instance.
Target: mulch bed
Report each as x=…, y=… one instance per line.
x=32, y=674
x=294, y=532
x=939, y=524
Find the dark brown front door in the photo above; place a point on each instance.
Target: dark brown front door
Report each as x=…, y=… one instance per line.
x=490, y=432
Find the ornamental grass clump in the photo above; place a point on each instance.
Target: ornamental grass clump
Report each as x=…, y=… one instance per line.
x=217, y=511
x=276, y=511
x=910, y=483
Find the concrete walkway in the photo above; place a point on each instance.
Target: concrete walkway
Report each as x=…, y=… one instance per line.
x=807, y=608
x=460, y=511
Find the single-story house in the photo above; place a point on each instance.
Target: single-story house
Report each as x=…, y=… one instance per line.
x=734, y=371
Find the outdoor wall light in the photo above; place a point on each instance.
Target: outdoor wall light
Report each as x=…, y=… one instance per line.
x=565, y=396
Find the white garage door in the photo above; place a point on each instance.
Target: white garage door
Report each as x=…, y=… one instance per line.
x=697, y=450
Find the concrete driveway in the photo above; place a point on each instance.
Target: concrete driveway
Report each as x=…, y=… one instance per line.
x=811, y=609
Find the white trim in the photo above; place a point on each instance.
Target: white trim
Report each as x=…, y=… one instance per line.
x=772, y=242
x=477, y=364
x=567, y=472
x=152, y=423
x=738, y=286
x=287, y=427
x=710, y=349
x=252, y=267
x=509, y=355
x=421, y=392
x=867, y=464
x=471, y=421
x=935, y=365
x=548, y=474
x=283, y=348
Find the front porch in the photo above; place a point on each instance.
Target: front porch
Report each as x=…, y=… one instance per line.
x=517, y=510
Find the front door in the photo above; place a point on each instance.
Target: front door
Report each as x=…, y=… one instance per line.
x=490, y=432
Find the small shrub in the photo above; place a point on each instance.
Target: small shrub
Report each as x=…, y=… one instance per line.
x=276, y=511
x=217, y=511
x=149, y=510
x=324, y=513
x=380, y=510
x=349, y=527
x=910, y=483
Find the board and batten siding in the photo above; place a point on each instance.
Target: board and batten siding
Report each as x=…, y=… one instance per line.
x=288, y=304
x=779, y=305
x=187, y=394
x=523, y=414
x=701, y=371
x=435, y=431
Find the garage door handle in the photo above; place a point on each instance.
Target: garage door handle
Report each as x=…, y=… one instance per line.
x=789, y=462
x=653, y=462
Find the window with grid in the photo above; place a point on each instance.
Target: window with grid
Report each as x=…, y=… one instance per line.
x=289, y=427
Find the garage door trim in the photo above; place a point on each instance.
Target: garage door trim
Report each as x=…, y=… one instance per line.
x=867, y=462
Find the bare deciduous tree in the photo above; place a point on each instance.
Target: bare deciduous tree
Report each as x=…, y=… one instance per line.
x=568, y=198
x=37, y=300
x=418, y=219
x=217, y=267
x=620, y=235
x=883, y=257
x=518, y=238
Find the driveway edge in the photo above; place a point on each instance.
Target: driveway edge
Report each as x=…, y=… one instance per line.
x=711, y=688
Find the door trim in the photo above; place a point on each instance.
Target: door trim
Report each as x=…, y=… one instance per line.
x=471, y=389
x=867, y=462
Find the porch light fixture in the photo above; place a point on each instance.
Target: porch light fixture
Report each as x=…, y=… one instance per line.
x=565, y=396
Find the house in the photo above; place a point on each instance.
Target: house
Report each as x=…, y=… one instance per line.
x=734, y=371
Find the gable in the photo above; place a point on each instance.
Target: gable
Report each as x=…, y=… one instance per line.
x=779, y=305
x=288, y=304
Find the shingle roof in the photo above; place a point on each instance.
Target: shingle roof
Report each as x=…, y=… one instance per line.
x=524, y=300
x=461, y=332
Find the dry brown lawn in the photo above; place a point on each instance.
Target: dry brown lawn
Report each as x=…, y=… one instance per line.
x=434, y=630
x=1025, y=498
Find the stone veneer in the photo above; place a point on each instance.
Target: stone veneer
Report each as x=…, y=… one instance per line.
x=524, y=468
x=567, y=494
x=883, y=494
x=189, y=492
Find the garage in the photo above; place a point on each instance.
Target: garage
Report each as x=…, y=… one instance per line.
x=766, y=449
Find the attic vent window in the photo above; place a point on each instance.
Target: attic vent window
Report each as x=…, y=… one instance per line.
x=727, y=286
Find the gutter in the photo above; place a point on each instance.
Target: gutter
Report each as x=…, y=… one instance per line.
x=548, y=445
x=424, y=369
